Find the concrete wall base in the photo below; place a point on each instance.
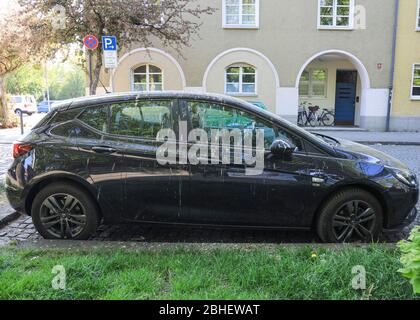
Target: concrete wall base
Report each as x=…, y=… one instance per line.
x=405, y=124
x=373, y=123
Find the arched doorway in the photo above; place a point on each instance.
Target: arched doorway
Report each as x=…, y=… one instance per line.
x=337, y=81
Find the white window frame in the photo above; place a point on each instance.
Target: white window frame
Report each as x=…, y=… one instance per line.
x=418, y=16
x=413, y=97
x=310, y=81
x=334, y=26
x=240, y=25
x=148, y=74
x=241, y=93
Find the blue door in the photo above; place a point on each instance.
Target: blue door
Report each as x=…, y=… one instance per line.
x=345, y=97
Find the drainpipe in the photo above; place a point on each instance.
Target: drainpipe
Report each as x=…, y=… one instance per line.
x=392, y=70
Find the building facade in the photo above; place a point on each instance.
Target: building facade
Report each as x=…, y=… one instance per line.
x=405, y=115
x=336, y=54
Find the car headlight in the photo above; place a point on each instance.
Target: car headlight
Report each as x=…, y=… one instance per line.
x=405, y=176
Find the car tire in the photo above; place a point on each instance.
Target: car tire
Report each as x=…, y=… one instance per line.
x=18, y=112
x=64, y=211
x=350, y=215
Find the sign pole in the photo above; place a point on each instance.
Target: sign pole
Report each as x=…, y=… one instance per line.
x=91, y=43
x=90, y=73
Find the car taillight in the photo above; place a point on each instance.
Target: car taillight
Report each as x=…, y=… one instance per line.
x=20, y=149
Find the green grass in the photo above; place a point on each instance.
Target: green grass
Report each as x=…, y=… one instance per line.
x=279, y=273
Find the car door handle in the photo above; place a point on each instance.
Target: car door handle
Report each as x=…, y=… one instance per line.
x=102, y=149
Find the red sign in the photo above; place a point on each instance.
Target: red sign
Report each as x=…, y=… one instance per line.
x=91, y=42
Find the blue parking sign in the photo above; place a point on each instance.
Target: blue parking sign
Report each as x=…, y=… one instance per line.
x=109, y=43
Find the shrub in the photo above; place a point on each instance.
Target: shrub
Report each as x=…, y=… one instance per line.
x=410, y=259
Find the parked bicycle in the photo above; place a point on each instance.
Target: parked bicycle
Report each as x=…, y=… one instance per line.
x=309, y=115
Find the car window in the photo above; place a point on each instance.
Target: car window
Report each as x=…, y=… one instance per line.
x=63, y=116
x=207, y=116
x=16, y=99
x=140, y=118
x=96, y=117
x=72, y=129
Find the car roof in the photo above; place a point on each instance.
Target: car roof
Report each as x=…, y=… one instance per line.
x=212, y=97
x=126, y=96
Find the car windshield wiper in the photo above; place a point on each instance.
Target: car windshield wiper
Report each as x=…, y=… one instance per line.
x=327, y=139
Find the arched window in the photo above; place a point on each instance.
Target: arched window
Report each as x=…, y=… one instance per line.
x=241, y=80
x=147, y=78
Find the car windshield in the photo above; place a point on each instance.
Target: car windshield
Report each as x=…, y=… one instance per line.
x=16, y=99
x=301, y=131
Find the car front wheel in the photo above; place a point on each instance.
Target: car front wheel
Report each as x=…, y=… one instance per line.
x=64, y=211
x=350, y=215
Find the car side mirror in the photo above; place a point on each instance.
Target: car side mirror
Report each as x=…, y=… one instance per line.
x=282, y=149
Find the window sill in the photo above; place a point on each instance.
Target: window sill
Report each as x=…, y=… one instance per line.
x=415, y=98
x=240, y=26
x=232, y=94
x=335, y=28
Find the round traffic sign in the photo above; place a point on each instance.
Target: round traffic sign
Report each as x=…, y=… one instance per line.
x=91, y=42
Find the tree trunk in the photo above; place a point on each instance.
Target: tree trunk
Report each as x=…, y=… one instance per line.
x=96, y=71
x=4, y=112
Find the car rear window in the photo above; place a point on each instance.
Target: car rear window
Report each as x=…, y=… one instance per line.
x=63, y=116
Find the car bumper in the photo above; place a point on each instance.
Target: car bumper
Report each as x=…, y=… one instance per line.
x=407, y=221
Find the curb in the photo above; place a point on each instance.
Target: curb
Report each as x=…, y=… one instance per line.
x=392, y=143
x=9, y=218
x=88, y=245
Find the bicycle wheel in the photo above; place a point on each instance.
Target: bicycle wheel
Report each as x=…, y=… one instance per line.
x=328, y=119
x=300, y=119
x=312, y=119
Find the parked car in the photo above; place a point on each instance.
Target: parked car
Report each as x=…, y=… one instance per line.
x=259, y=104
x=23, y=104
x=95, y=158
x=45, y=106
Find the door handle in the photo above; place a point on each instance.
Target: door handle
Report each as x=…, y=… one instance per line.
x=102, y=149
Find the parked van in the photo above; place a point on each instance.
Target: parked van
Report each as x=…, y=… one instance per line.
x=23, y=104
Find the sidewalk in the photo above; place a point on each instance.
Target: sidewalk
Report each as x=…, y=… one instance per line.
x=7, y=136
x=367, y=137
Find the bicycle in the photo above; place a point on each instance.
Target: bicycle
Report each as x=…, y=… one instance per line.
x=327, y=118
x=303, y=114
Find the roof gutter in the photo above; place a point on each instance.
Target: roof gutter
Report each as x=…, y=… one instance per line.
x=392, y=70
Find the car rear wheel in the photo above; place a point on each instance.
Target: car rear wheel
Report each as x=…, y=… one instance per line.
x=350, y=215
x=18, y=112
x=64, y=211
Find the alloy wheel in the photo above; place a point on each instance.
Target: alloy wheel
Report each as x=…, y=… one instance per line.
x=355, y=220
x=63, y=216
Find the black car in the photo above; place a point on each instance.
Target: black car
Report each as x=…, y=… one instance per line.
x=95, y=159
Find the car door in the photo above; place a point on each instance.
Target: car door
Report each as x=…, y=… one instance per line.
x=231, y=194
x=152, y=190
x=102, y=157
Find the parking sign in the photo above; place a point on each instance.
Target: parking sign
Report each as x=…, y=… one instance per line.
x=109, y=46
x=109, y=43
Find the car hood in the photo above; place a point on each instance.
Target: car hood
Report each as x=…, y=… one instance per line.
x=368, y=154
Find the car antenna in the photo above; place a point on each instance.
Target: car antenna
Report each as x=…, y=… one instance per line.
x=106, y=90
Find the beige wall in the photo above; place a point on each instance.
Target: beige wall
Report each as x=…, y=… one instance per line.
x=288, y=36
x=407, y=54
x=285, y=41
